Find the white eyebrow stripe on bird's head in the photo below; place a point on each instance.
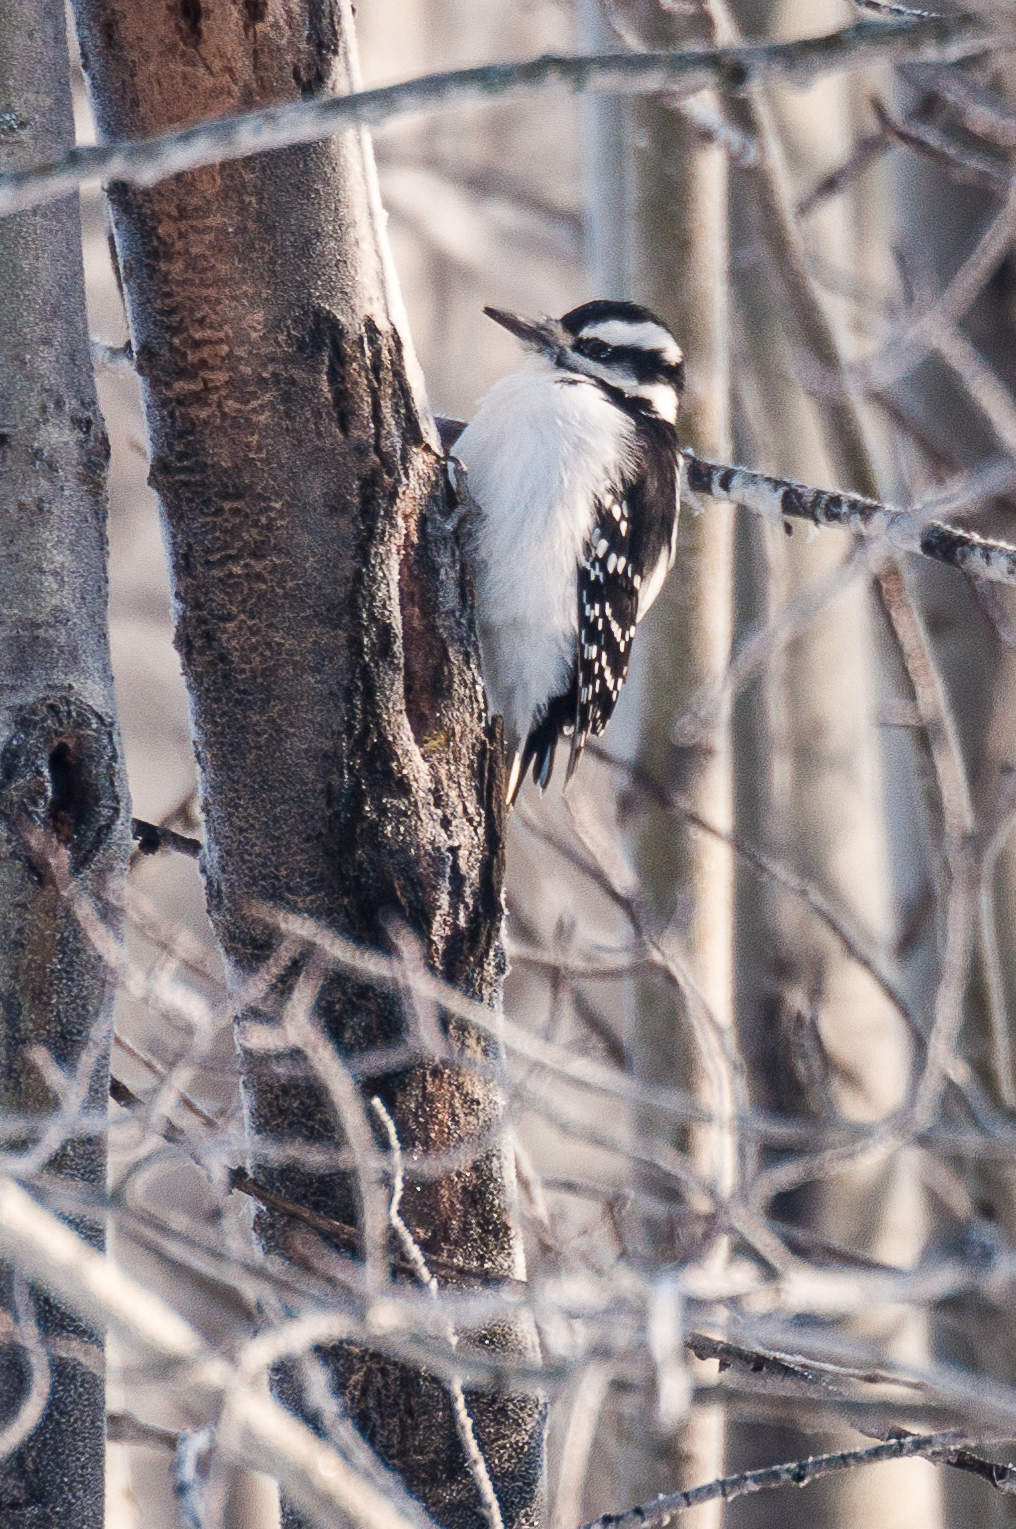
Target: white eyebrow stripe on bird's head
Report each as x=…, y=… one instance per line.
x=660, y=395
x=643, y=335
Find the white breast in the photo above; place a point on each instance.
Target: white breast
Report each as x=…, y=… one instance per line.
x=541, y=449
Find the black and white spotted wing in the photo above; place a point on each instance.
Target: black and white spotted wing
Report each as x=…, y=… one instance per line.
x=608, y=606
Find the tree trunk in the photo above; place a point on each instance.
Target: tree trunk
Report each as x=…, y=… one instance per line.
x=62, y=787
x=820, y=1037
x=938, y=221
x=657, y=220
x=681, y=273
x=324, y=628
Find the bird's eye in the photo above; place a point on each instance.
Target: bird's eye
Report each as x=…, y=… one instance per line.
x=595, y=350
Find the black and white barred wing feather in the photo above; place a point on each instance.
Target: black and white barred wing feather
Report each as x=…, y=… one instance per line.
x=608, y=596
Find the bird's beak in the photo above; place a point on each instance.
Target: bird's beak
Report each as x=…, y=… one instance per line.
x=542, y=334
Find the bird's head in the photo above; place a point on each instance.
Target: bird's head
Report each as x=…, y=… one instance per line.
x=622, y=345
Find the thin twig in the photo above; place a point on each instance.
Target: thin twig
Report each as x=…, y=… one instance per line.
x=580, y=1432
x=958, y=818
x=151, y=839
x=980, y=111
x=936, y=1447
x=305, y=1032
x=390, y=973
x=782, y=875
x=998, y=1009
x=268, y=1437
x=963, y=163
x=982, y=383
x=866, y=152
x=415, y=1256
x=912, y=340
x=35, y=1400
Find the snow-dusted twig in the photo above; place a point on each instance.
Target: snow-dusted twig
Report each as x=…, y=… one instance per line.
x=658, y=1512
x=303, y=1030
x=267, y=1438
x=415, y=1256
x=144, y=161
x=903, y=530
x=33, y=1403
x=389, y=972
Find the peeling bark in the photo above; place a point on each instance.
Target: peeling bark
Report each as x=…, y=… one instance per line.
x=60, y=765
x=324, y=624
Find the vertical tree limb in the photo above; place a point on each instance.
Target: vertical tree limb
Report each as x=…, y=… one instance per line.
x=60, y=765
x=679, y=268
x=325, y=635
x=842, y=1048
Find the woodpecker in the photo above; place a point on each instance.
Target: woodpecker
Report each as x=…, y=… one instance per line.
x=573, y=474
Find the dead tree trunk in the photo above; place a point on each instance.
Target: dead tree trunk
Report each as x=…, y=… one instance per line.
x=62, y=787
x=324, y=628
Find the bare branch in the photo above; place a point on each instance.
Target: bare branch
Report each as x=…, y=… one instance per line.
x=268, y=1437
x=780, y=500
x=34, y=1402
x=145, y=161
x=964, y=163
x=151, y=838
x=932, y=1446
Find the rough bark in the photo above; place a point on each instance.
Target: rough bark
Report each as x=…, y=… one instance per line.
x=324, y=628
x=61, y=777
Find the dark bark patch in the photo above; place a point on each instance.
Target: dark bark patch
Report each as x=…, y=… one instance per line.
x=324, y=33
x=327, y=340
x=425, y=675
x=191, y=16
x=374, y=350
x=406, y=1417
x=58, y=772
x=66, y=801
x=314, y=70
